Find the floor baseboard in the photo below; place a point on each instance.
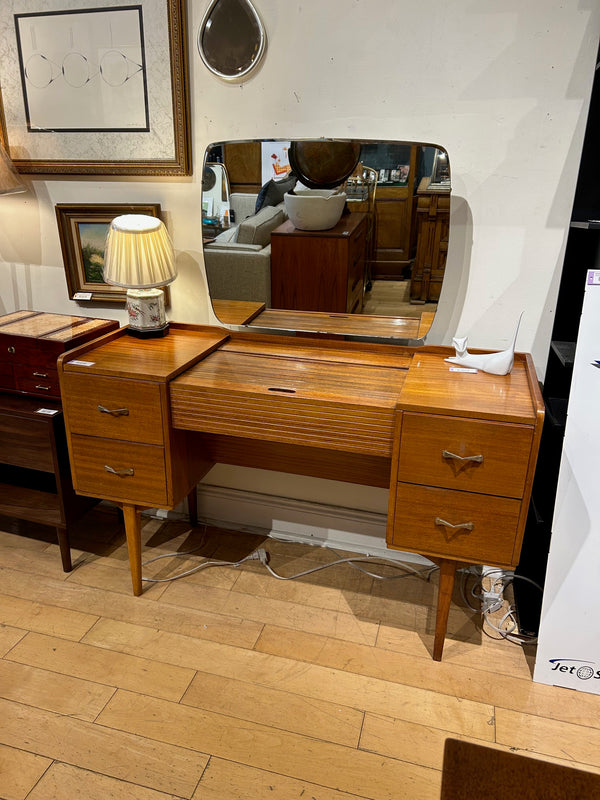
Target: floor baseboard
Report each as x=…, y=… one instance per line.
x=299, y=520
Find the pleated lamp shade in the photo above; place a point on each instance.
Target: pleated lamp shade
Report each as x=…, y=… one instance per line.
x=138, y=253
x=139, y=256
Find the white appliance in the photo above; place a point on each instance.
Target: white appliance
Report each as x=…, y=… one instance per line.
x=568, y=651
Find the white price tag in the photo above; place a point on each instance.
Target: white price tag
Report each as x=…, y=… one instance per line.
x=462, y=369
x=49, y=412
x=82, y=296
x=82, y=363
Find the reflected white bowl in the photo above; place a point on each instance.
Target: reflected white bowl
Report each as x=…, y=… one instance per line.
x=314, y=209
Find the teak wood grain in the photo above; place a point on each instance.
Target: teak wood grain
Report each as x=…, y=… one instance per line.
x=375, y=414
x=324, y=325
x=500, y=454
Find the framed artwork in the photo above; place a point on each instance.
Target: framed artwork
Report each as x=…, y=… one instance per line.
x=95, y=86
x=82, y=229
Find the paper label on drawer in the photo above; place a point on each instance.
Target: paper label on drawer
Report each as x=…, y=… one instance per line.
x=49, y=412
x=82, y=363
x=461, y=369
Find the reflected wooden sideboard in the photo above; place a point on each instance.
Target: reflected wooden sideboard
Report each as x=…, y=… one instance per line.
x=146, y=419
x=320, y=271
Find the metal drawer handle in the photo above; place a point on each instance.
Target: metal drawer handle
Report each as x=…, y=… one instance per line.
x=468, y=526
x=12, y=350
x=45, y=388
x=448, y=454
x=122, y=473
x=115, y=412
x=40, y=374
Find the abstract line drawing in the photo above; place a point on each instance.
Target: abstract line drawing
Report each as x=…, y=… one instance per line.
x=83, y=70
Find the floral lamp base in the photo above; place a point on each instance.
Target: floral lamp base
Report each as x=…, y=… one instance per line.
x=146, y=311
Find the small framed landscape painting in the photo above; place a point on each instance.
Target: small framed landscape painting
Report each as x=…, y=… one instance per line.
x=82, y=229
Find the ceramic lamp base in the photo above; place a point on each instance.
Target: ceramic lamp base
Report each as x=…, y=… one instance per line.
x=146, y=311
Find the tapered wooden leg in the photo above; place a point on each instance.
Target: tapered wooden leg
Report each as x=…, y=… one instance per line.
x=133, y=533
x=65, y=549
x=446, y=586
x=192, y=500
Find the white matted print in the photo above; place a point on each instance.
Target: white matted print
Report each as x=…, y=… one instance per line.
x=83, y=70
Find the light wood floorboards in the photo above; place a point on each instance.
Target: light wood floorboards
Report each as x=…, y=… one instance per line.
x=232, y=685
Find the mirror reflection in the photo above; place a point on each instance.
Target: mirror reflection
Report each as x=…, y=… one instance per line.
x=377, y=271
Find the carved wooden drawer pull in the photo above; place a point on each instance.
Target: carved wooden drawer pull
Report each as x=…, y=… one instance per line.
x=115, y=412
x=122, y=473
x=447, y=454
x=468, y=526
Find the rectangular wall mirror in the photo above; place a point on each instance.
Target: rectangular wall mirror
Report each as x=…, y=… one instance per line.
x=375, y=273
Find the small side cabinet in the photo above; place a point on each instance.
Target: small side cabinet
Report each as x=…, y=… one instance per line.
x=35, y=476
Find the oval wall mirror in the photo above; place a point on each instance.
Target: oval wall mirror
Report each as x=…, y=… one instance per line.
x=231, y=39
x=376, y=274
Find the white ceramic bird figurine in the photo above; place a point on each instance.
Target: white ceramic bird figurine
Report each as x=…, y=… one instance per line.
x=499, y=363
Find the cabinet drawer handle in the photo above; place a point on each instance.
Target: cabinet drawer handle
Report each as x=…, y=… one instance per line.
x=447, y=454
x=115, y=412
x=122, y=473
x=45, y=388
x=12, y=350
x=468, y=526
x=40, y=374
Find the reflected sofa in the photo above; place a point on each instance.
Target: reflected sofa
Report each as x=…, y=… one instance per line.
x=238, y=261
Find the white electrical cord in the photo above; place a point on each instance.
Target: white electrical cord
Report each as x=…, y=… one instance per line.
x=355, y=561
x=261, y=555
x=498, y=585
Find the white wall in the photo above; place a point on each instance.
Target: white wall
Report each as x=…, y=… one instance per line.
x=503, y=87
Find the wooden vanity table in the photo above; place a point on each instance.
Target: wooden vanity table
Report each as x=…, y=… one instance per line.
x=146, y=419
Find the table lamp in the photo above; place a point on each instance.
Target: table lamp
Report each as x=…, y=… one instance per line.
x=139, y=256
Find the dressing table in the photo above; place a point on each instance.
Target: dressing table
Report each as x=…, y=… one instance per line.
x=146, y=419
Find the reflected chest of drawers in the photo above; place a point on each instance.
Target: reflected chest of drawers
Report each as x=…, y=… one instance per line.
x=319, y=270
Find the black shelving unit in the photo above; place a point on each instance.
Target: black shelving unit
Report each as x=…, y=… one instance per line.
x=581, y=254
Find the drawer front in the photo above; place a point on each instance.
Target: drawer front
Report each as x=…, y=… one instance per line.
x=26, y=442
x=37, y=380
x=136, y=472
x=25, y=350
x=429, y=447
x=488, y=539
x=115, y=408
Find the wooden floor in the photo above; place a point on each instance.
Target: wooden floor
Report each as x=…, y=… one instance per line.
x=392, y=299
x=232, y=685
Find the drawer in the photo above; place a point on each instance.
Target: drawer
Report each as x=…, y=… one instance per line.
x=37, y=380
x=25, y=350
x=489, y=539
x=135, y=406
x=428, y=444
x=143, y=465
x=26, y=442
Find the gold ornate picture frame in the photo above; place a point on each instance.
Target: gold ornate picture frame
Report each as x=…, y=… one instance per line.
x=96, y=90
